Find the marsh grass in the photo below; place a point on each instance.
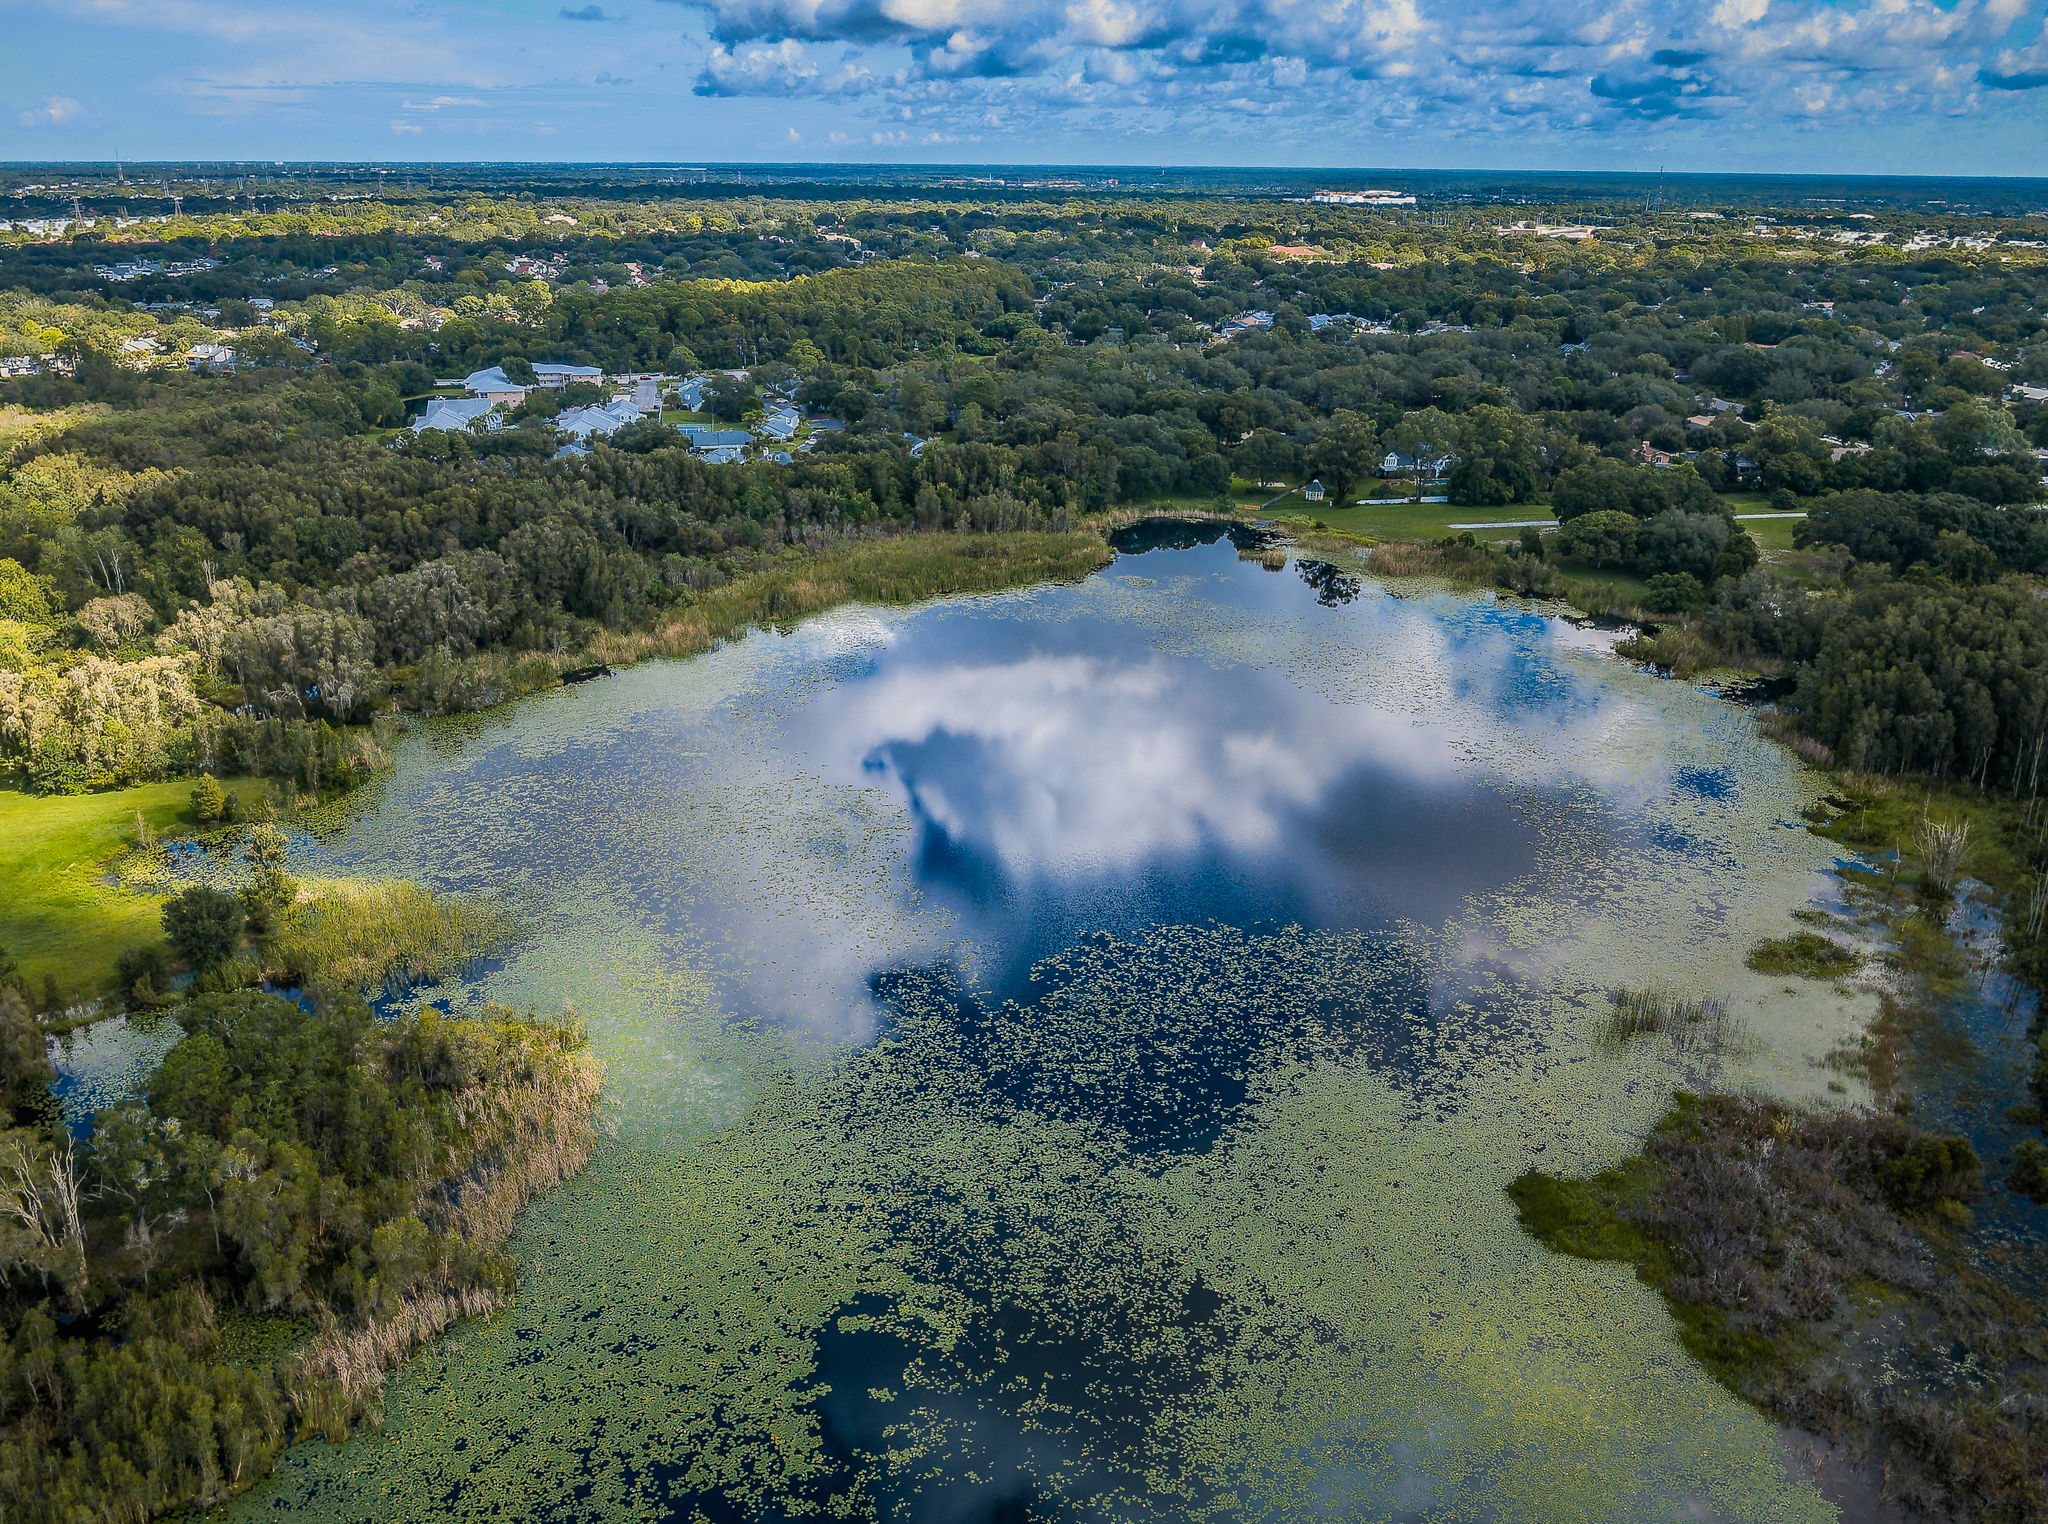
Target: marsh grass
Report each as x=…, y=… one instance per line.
x=1694, y=1026
x=383, y=937
x=1804, y=954
x=904, y=570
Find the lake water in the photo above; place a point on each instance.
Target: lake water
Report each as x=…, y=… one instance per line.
x=1065, y=1050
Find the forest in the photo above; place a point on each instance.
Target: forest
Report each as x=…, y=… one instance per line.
x=246, y=578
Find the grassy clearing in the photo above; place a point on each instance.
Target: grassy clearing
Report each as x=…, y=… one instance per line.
x=1411, y=520
x=58, y=914
x=877, y=571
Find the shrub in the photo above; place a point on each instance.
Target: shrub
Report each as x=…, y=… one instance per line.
x=1603, y=538
x=1806, y=954
x=204, y=925
x=1674, y=593
x=2029, y=1172
x=1929, y=1171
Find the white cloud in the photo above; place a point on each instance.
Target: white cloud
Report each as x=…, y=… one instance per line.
x=55, y=111
x=1471, y=65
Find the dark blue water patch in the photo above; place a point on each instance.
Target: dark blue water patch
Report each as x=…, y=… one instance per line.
x=1168, y=533
x=1154, y=1044
x=1705, y=782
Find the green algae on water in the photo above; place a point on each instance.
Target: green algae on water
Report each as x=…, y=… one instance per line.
x=1207, y=1222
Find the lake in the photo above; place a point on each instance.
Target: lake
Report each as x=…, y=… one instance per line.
x=1065, y=1053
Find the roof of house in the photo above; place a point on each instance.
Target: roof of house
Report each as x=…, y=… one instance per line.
x=703, y=435
x=491, y=380
x=718, y=455
x=451, y=413
x=546, y=368
x=608, y=419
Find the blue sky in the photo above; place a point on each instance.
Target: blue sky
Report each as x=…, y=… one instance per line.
x=1873, y=86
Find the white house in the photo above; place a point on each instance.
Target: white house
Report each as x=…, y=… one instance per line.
x=551, y=374
x=453, y=413
x=1429, y=464
x=603, y=421
x=495, y=386
x=781, y=426
x=210, y=358
x=719, y=455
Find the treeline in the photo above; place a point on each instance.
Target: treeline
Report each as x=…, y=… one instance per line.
x=234, y=572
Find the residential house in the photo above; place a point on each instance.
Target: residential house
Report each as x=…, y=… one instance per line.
x=455, y=413
x=702, y=434
x=2025, y=393
x=719, y=454
x=1429, y=465
x=781, y=426
x=1647, y=454
x=496, y=386
x=1700, y=421
x=551, y=374
x=602, y=421
x=689, y=395
x=210, y=359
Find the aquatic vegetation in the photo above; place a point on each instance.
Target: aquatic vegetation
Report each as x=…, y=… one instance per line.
x=380, y=938
x=1804, y=1258
x=1691, y=1024
x=1806, y=954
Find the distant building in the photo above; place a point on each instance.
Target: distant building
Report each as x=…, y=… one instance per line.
x=1431, y=465
x=703, y=436
x=719, y=454
x=1362, y=198
x=495, y=385
x=1313, y=492
x=550, y=374
x=604, y=421
x=454, y=414
x=210, y=359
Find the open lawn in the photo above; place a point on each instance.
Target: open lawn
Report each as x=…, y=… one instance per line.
x=1412, y=520
x=57, y=914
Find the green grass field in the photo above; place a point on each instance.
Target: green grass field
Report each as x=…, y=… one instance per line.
x=58, y=915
